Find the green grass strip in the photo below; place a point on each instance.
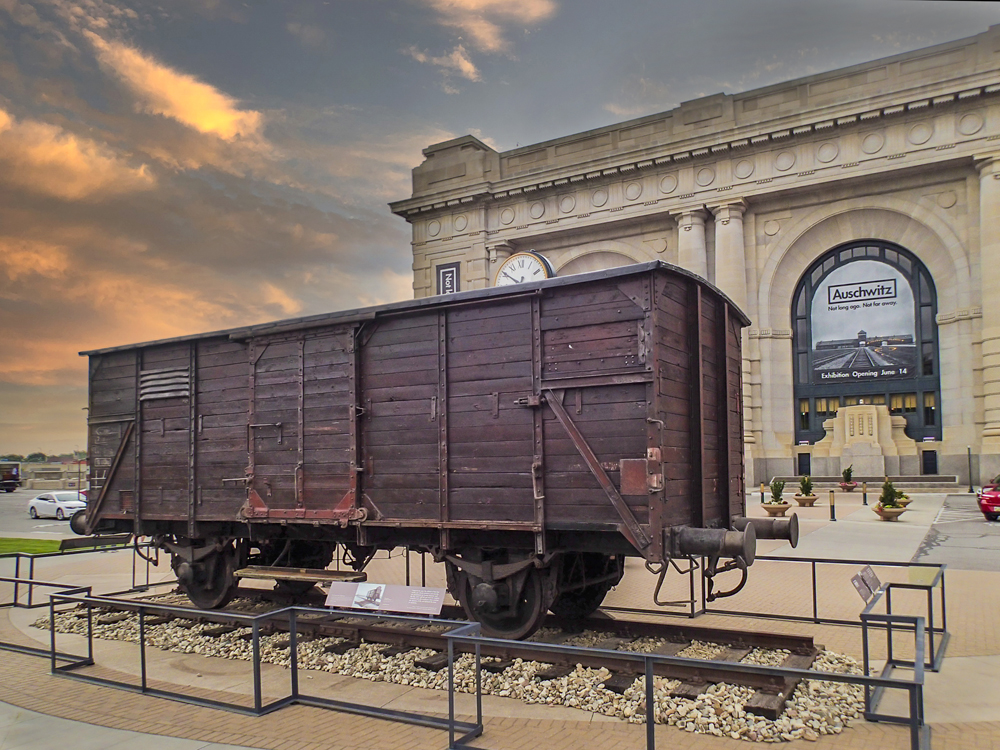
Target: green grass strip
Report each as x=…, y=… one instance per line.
x=10, y=545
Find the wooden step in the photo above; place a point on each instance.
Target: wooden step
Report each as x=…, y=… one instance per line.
x=312, y=575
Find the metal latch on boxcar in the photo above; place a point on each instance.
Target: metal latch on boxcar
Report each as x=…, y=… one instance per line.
x=640, y=476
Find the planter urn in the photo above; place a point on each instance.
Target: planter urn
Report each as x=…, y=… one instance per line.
x=805, y=501
x=776, y=509
x=888, y=514
x=848, y=486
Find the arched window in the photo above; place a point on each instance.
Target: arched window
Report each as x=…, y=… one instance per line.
x=864, y=331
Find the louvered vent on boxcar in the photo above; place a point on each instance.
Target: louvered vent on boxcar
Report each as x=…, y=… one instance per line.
x=166, y=383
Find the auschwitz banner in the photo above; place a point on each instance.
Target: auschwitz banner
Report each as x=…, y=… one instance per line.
x=863, y=325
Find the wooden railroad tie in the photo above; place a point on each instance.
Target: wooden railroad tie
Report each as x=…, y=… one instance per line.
x=218, y=631
x=769, y=704
x=554, y=672
x=341, y=648
x=158, y=620
x=434, y=662
x=691, y=690
x=111, y=619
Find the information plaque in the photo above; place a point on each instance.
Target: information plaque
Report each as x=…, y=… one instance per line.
x=382, y=597
x=862, y=588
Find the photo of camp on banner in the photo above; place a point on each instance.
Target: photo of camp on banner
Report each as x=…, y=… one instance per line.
x=416, y=600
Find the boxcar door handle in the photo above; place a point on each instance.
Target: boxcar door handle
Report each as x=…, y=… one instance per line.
x=434, y=408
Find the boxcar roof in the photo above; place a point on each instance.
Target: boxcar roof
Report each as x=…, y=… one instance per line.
x=370, y=313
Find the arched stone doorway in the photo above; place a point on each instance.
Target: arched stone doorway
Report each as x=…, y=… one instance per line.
x=864, y=331
x=595, y=262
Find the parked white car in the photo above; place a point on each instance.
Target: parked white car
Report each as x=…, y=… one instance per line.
x=57, y=504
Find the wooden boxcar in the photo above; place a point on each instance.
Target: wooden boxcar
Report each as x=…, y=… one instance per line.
x=529, y=437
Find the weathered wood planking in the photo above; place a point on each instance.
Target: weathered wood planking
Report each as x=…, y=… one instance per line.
x=434, y=412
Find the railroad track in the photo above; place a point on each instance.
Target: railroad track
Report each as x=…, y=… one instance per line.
x=668, y=639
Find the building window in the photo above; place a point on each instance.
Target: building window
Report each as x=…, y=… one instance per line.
x=864, y=330
x=896, y=403
x=804, y=413
x=930, y=417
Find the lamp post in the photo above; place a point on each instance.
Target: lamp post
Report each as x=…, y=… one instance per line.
x=968, y=448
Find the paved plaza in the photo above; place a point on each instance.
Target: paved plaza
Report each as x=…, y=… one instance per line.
x=40, y=711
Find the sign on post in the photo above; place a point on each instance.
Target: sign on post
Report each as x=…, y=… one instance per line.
x=866, y=583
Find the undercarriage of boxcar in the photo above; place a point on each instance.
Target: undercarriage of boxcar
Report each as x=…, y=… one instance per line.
x=529, y=439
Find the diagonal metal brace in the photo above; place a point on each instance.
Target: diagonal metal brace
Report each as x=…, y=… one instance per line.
x=632, y=531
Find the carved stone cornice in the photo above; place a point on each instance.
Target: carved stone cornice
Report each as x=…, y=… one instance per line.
x=491, y=192
x=959, y=315
x=770, y=333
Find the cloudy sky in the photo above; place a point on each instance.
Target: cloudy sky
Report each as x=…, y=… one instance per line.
x=199, y=164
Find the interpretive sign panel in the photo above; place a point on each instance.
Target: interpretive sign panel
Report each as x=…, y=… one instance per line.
x=417, y=600
x=862, y=588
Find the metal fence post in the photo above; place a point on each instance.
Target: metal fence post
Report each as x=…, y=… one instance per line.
x=293, y=648
x=650, y=707
x=451, y=693
x=257, y=698
x=815, y=592
x=52, y=632
x=142, y=644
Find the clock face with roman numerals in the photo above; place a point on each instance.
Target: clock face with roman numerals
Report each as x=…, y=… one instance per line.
x=522, y=267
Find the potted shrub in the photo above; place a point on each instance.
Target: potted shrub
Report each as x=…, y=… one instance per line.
x=805, y=497
x=775, y=505
x=902, y=498
x=848, y=476
x=888, y=507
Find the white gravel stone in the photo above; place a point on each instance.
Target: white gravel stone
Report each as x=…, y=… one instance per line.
x=816, y=707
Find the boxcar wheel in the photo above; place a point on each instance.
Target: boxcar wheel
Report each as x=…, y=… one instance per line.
x=214, y=584
x=526, y=618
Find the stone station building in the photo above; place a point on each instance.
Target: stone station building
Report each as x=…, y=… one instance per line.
x=853, y=215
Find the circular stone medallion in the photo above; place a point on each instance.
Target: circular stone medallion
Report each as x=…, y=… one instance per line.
x=947, y=199
x=668, y=183
x=872, y=143
x=633, y=190
x=784, y=161
x=537, y=210
x=705, y=176
x=827, y=152
x=461, y=222
x=771, y=228
x=599, y=198
x=970, y=124
x=507, y=216
x=743, y=169
x=920, y=133
x=567, y=203
x=434, y=228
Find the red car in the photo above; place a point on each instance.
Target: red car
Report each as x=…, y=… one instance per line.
x=989, y=501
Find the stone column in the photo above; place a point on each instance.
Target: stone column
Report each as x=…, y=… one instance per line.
x=989, y=264
x=730, y=255
x=691, y=252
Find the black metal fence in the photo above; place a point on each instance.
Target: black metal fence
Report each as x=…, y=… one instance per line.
x=459, y=732
x=919, y=732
